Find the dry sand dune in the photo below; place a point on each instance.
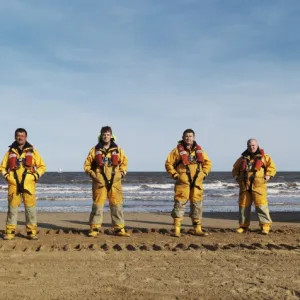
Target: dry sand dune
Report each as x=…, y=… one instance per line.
x=151, y=264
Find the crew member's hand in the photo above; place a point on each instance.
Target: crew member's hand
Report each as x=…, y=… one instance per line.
x=267, y=178
x=175, y=176
x=6, y=176
x=92, y=174
x=36, y=176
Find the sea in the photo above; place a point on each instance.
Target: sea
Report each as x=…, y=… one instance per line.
x=154, y=192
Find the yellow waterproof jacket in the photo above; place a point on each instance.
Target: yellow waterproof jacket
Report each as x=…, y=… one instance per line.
x=97, y=172
x=25, y=175
x=251, y=179
x=178, y=170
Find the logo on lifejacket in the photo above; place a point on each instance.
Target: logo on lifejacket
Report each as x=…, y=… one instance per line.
x=192, y=158
x=106, y=160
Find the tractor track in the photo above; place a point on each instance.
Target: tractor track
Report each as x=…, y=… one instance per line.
x=163, y=231
x=153, y=239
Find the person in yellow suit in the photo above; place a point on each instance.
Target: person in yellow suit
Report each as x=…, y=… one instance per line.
x=252, y=171
x=188, y=165
x=106, y=164
x=22, y=166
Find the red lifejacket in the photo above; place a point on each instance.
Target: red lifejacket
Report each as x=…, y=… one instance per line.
x=258, y=162
x=115, y=158
x=243, y=166
x=99, y=158
x=199, y=154
x=28, y=159
x=184, y=155
x=12, y=160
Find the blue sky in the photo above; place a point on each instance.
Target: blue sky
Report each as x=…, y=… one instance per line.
x=150, y=69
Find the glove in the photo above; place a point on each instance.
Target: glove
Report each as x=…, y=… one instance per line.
x=92, y=174
x=36, y=176
x=175, y=176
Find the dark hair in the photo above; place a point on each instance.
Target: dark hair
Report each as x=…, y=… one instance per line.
x=20, y=130
x=106, y=129
x=188, y=131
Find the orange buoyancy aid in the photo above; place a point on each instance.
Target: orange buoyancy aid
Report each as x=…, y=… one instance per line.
x=100, y=157
x=199, y=154
x=28, y=159
x=257, y=164
x=184, y=155
x=14, y=162
x=115, y=158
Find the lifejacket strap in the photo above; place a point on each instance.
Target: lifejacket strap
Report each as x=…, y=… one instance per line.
x=108, y=183
x=188, y=173
x=19, y=187
x=23, y=180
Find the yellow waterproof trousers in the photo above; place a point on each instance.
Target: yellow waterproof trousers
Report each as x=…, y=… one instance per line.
x=115, y=197
x=14, y=201
x=261, y=207
x=184, y=193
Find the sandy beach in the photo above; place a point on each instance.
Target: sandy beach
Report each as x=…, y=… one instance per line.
x=151, y=264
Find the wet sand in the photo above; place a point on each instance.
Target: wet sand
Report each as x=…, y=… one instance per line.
x=152, y=264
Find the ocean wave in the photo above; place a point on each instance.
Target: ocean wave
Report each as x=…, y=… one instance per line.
x=152, y=192
x=130, y=187
x=224, y=206
x=62, y=187
x=296, y=196
x=215, y=185
x=148, y=198
x=158, y=186
x=63, y=192
x=223, y=195
x=49, y=198
x=145, y=186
